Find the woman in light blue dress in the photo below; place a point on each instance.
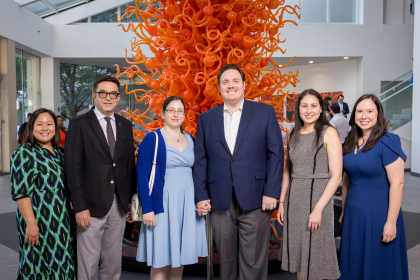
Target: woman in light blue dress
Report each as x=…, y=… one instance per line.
x=173, y=234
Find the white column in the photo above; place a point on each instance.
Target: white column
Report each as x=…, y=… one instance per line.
x=415, y=148
x=50, y=84
x=8, y=102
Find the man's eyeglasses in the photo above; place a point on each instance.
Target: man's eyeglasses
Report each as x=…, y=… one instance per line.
x=103, y=94
x=173, y=111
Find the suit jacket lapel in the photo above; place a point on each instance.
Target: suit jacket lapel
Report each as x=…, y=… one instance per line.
x=118, y=137
x=94, y=123
x=220, y=125
x=246, y=116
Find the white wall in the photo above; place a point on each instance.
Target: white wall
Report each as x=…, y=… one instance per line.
x=415, y=149
x=24, y=27
x=326, y=77
x=405, y=133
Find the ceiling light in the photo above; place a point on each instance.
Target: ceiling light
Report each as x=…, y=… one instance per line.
x=280, y=65
x=311, y=61
x=346, y=57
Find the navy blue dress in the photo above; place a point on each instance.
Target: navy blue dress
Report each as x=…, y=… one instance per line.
x=363, y=254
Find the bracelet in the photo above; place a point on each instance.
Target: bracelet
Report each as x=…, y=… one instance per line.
x=281, y=201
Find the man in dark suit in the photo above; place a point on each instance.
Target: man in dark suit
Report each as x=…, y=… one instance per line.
x=100, y=176
x=344, y=108
x=238, y=172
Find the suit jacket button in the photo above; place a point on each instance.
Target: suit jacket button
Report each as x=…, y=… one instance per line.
x=113, y=164
x=112, y=181
x=232, y=161
x=230, y=178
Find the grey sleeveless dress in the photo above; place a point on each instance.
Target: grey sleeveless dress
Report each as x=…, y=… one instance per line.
x=313, y=254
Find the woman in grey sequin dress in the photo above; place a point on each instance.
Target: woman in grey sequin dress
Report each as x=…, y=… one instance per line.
x=313, y=172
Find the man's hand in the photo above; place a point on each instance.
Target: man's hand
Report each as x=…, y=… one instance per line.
x=203, y=207
x=83, y=219
x=268, y=203
x=343, y=111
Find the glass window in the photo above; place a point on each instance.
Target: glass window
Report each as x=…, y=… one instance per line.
x=313, y=10
x=342, y=10
x=85, y=20
x=286, y=15
x=38, y=8
x=108, y=16
x=58, y=4
x=28, y=92
x=133, y=17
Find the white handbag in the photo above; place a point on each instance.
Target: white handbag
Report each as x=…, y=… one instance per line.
x=136, y=210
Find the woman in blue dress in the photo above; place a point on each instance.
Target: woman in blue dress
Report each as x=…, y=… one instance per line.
x=173, y=234
x=373, y=242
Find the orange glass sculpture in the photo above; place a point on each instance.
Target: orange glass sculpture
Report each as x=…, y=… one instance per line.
x=191, y=41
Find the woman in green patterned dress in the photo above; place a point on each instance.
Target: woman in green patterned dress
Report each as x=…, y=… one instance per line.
x=44, y=221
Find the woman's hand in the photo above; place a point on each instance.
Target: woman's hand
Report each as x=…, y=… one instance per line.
x=390, y=232
x=149, y=219
x=315, y=220
x=280, y=213
x=341, y=219
x=32, y=234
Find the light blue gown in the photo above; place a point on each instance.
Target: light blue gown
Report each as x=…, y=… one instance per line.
x=179, y=237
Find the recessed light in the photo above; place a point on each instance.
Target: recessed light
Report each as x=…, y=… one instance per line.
x=346, y=57
x=280, y=65
x=311, y=61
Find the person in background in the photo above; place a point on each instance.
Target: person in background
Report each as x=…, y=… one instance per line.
x=327, y=103
x=62, y=131
x=312, y=175
x=22, y=129
x=373, y=244
x=46, y=227
x=238, y=166
x=344, y=108
x=339, y=122
x=328, y=115
x=173, y=234
x=101, y=178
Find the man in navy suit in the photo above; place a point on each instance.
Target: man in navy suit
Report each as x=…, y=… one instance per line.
x=238, y=172
x=344, y=108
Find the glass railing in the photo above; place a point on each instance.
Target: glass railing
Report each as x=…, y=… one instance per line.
x=391, y=85
x=398, y=107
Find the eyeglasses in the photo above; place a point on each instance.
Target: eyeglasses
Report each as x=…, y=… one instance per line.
x=104, y=94
x=173, y=111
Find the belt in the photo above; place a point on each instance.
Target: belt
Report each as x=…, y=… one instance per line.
x=311, y=175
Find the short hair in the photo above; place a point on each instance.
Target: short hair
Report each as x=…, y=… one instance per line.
x=228, y=67
x=106, y=78
x=335, y=108
x=340, y=96
x=29, y=137
x=29, y=115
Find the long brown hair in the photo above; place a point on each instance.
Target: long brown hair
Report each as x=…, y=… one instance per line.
x=29, y=137
x=356, y=132
x=320, y=123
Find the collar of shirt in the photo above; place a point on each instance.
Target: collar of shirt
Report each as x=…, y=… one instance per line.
x=101, y=116
x=226, y=109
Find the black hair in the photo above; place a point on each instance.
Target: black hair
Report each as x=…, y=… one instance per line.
x=340, y=96
x=335, y=108
x=29, y=137
x=228, y=67
x=106, y=78
x=169, y=100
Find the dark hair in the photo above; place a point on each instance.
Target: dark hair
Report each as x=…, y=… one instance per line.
x=320, y=123
x=335, y=108
x=29, y=115
x=169, y=100
x=327, y=99
x=60, y=117
x=106, y=78
x=29, y=137
x=228, y=67
x=356, y=132
x=340, y=96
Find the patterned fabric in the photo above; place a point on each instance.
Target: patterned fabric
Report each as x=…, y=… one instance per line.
x=313, y=254
x=110, y=136
x=39, y=174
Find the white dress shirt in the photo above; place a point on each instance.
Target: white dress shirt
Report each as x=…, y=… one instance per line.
x=231, y=125
x=341, y=124
x=341, y=106
x=102, y=122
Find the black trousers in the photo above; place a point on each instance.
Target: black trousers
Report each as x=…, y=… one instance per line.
x=248, y=230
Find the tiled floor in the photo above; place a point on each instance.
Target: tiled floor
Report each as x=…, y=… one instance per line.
x=9, y=256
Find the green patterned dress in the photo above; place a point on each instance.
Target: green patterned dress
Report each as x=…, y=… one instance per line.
x=39, y=174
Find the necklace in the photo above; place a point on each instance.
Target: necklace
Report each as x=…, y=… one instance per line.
x=172, y=135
